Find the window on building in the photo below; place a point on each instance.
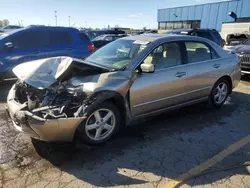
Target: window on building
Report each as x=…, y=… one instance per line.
x=179, y=25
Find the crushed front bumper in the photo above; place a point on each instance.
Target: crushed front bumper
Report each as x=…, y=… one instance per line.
x=62, y=129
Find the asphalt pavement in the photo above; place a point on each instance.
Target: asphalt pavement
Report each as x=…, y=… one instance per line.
x=208, y=147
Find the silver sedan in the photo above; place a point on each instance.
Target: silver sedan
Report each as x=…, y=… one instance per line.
x=56, y=99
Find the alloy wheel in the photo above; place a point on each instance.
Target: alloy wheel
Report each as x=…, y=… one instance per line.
x=100, y=124
x=221, y=92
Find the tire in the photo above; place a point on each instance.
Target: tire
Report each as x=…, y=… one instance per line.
x=113, y=124
x=214, y=98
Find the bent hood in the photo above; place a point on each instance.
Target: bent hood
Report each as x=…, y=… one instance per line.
x=45, y=72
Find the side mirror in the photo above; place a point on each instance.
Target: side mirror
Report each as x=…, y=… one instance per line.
x=147, y=67
x=9, y=46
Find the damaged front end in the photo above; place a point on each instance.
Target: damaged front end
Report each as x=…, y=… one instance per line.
x=47, y=107
x=50, y=114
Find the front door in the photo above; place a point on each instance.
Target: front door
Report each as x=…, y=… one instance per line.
x=166, y=87
x=26, y=47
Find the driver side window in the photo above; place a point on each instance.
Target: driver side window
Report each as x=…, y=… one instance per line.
x=165, y=56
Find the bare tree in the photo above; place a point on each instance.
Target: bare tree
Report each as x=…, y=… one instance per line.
x=1, y=23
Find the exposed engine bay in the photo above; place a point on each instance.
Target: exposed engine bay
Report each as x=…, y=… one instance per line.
x=46, y=89
x=57, y=101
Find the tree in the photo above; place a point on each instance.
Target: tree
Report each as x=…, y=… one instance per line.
x=97, y=29
x=4, y=22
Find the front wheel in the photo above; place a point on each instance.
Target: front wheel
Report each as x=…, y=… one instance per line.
x=101, y=124
x=219, y=93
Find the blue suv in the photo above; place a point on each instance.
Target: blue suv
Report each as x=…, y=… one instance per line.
x=36, y=42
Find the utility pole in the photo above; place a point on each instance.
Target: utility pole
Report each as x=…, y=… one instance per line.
x=69, y=21
x=56, y=17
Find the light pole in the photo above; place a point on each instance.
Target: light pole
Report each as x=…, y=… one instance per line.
x=56, y=17
x=69, y=21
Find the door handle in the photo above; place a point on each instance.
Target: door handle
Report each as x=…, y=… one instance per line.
x=216, y=66
x=180, y=74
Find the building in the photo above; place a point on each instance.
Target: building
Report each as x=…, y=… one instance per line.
x=211, y=15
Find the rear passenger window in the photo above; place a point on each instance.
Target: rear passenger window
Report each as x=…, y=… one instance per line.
x=31, y=39
x=58, y=38
x=197, y=52
x=83, y=37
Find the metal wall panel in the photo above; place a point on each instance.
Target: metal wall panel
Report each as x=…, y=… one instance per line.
x=184, y=15
x=232, y=6
x=214, y=9
x=167, y=14
x=198, y=12
x=160, y=16
x=205, y=16
x=245, y=11
x=191, y=13
x=239, y=8
x=222, y=15
x=178, y=12
x=172, y=14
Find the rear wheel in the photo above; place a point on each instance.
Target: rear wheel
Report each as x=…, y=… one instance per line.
x=101, y=124
x=219, y=93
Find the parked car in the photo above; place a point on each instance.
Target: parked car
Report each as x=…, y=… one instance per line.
x=33, y=43
x=210, y=34
x=59, y=98
x=235, y=39
x=243, y=51
x=95, y=33
x=9, y=28
x=102, y=40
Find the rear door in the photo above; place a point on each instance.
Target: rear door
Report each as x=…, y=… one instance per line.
x=202, y=65
x=60, y=44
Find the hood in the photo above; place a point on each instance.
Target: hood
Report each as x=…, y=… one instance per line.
x=45, y=72
x=239, y=49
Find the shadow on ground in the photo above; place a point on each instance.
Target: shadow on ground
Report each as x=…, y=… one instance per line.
x=101, y=166
x=4, y=89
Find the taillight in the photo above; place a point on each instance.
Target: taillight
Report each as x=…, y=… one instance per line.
x=91, y=47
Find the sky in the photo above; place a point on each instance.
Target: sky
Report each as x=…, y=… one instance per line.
x=91, y=13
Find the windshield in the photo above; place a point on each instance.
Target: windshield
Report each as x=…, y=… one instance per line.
x=247, y=42
x=117, y=54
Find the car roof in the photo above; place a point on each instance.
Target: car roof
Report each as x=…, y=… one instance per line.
x=154, y=37
x=49, y=28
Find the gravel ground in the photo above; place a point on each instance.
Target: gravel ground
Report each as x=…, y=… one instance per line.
x=150, y=154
